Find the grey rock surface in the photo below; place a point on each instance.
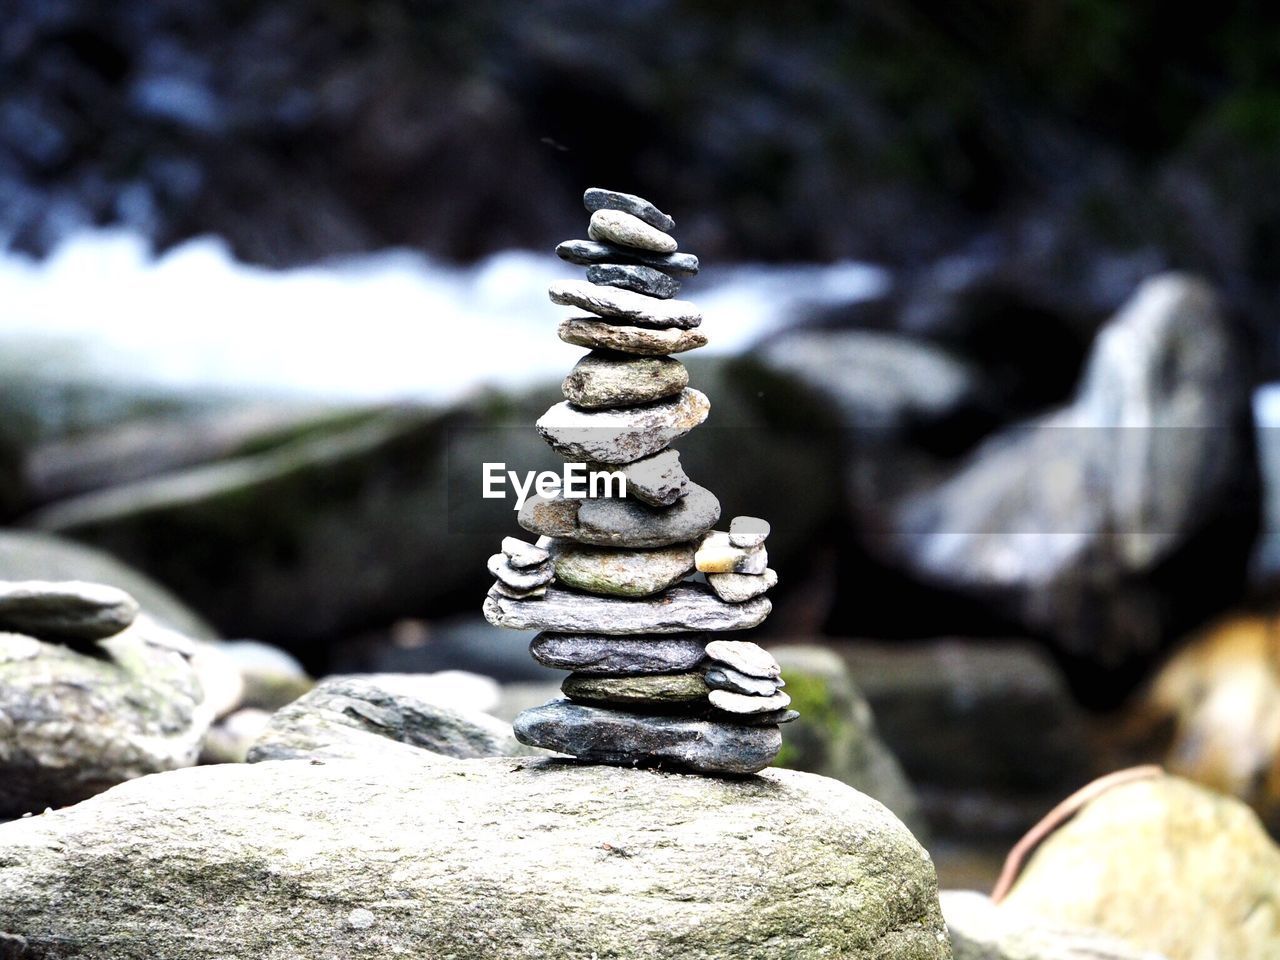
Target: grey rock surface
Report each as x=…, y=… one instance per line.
x=622, y=435
x=625, y=306
x=597, y=198
x=623, y=522
x=745, y=657
x=748, y=532
x=69, y=610
x=626, y=230
x=635, y=277
x=478, y=859
x=522, y=555
x=743, y=703
x=621, y=573
x=737, y=587
x=587, y=252
x=726, y=678
x=601, y=653
x=658, y=480
x=642, y=341
x=682, y=609
x=612, y=380
x=522, y=580
x=717, y=555
x=636, y=692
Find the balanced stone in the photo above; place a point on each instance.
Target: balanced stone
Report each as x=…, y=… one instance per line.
x=623, y=435
x=642, y=341
x=526, y=579
x=597, y=198
x=634, y=276
x=65, y=610
x=622, y=522
x=726, y=678
x=627, y=739
x=651, y=690
x=744, y=703
x=627, y=306
x=748, y=532
x=587, y=252
x=737, y=587
x=717, y=555
x=772, y=718
x=600, y=653
x=503, y=590
x=621, y=573
x=614, y=226
x=617, y=380
x=522, y=555
x=658, y=480
x=684, y=608
x=745, y=657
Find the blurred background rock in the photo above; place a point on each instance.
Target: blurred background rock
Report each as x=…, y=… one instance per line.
x=993, y=290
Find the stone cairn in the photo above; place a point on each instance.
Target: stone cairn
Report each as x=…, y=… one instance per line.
x=608, y=581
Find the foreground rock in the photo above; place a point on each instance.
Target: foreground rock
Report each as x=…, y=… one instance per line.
x=683, y=608
x=69, y=610
x=470, y=859
x=1167, y=866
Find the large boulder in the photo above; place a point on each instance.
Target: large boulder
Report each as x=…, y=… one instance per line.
x=508, y=858
x=1164, y=864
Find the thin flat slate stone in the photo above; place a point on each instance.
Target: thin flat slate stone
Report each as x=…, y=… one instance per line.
x=502, y=590
x=685, y=608
x=745, y=657
x=651, y=690
x=522, y=555
x=634, y=276
x=642, y=341
x=614, y=226
x=587, y=252
x=624, y=435
x=625, y=306
x=529, y=578
x=619, y=656
x=598, y=198
x=601, y=379
x=624, y=522
x=746, y=704
x=773, y=718
x=65, y=609
x=625, y=739
x=738, y=587
x=658, y=480
x=748, y=532
x=611, y=571
x=726, y=678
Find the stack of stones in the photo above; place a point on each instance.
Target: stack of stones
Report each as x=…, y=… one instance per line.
x=613, y=582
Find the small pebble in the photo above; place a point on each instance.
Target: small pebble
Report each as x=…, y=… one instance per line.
x=522, y=555
x=747, y=532
x=740, y=587
x=614, y=226
x=597, y=198
x=745, y=657
x=587, y=252
x=635, y=277
x=717, y=555
x=529, y=578
x=746, y=704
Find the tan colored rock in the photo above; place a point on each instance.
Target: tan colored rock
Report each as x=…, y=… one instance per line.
x=642, y=341
x=626, y=230
x=619, y=572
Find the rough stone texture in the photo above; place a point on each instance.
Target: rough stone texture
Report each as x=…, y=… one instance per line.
x=621, y=436
x=601, y=653
x=345, y=717
x=477, y=859
x=587, y=252
x=621, y=573
x=742, y=703
x=73, y=725
x=522, y=580
x=748, y=532
x=67, y=610
x=522, y=555
x=682, y=609
x=597, y=198
x=625, y=307
x=653, y=690
x=1164, y=864
x=745, y=657
x=518, y=594
x=612, y=380
x=624, y=522
x=737, y=587
x=658, y=480
x=615, y=226
x=982, y=931
x=635, y=277
x=716, y=555
x=726, y=678
x=614, y=736
x=642, y=341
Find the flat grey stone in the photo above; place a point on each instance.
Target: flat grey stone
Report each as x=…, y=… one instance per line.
x=737, y=587
x=634, y=276
x=622, y=435
x=629, y=739
x=717, y=555
x=619, y=572
x=745, y=657
x=515, y=593
x=658, y=480
x=625, y=522
x=643, y=341
x=522, y=555
x=614, y=226
x=65, y=609
x=773, y=718
x=748, y=532
x=684, y=608
x=646, y=690
x=603, y=379
x=625, y=306
x=528, y=579
x=587, y=252
x=726, y=678
x=597, y=198
x=745, y=703
x=601, y=653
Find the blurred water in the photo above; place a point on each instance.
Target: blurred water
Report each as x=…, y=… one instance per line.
x=388, y=326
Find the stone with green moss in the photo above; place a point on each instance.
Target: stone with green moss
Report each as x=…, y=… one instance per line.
x=651, y=690
x=621, y=573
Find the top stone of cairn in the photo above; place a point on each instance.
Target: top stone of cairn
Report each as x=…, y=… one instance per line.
x=597, y=198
